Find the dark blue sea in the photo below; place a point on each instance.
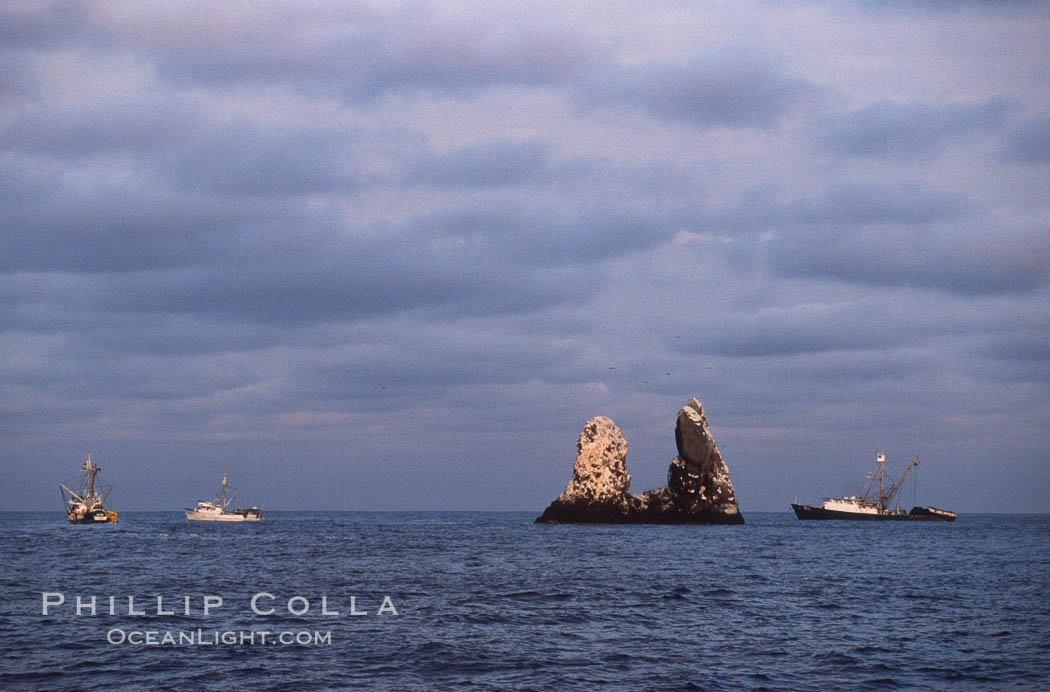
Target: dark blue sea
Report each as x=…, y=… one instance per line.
x=492, y=601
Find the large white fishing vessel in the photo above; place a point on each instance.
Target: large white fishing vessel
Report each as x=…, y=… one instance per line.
x=84, y=505
x=869, y=506
x=218, y=509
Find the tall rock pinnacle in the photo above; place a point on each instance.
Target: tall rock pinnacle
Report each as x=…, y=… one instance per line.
x=698, y=477
x=597, y=491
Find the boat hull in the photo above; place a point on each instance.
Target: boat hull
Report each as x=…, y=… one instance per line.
x=930, y=514
x=810, y=512
x=916, y=514
x=242, y=515
x=100, y=516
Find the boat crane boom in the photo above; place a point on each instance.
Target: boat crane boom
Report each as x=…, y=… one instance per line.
x=897, y=485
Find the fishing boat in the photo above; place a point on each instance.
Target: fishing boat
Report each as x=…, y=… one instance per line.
x=218, y=509
x=84, y=505
x=870, y=506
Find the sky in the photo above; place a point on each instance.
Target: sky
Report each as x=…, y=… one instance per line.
x=392, y=256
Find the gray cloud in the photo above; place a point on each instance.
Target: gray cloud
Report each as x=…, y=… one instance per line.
x=842, y=204
x=485, y=164
x=902, y=233
x=244, y=159
x=16, y=79
x=908, y=131
x=94, y=222
x=1029, y=142
x=531, y=237
x=858, y=203
x=972, y=262
x=297, y=279
x=950, y=6
x=731, y=88
x=49, y=24
x=801, y=329
x=1027, y=346
x=105, y=127
x=350, y=51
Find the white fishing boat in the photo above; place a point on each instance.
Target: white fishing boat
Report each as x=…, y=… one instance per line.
x=84, y=505
x=218, y=509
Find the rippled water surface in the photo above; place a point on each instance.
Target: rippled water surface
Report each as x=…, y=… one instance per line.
x=490, y=600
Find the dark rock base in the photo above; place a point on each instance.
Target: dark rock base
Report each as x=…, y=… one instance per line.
x=653, y=507
x=583, y=512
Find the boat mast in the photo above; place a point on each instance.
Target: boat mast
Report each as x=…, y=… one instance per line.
x=91, y=470
x=224, y=499
x=877, y=475
x=881, y=460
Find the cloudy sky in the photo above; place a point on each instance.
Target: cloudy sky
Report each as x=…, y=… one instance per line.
x=393, y=256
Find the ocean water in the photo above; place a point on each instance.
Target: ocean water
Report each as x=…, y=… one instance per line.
x=492, y=601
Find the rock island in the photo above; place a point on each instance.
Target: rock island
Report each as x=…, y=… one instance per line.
x=698, y=489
